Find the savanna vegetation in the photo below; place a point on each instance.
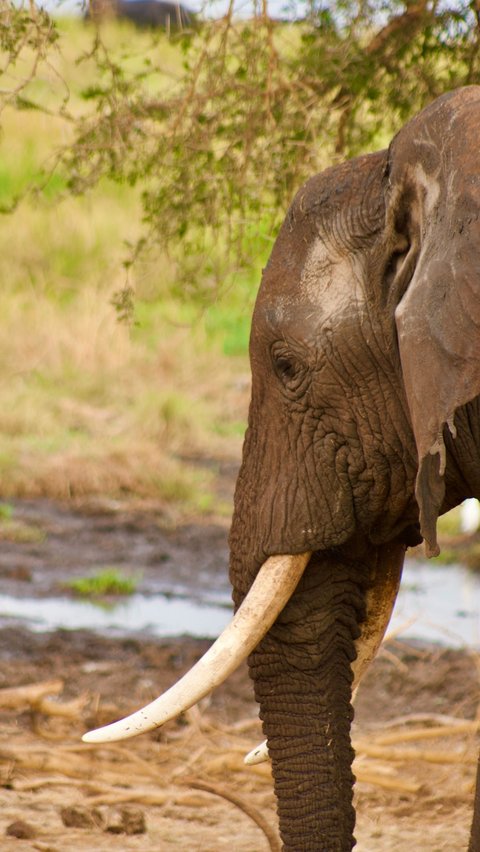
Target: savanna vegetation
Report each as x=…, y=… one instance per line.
x=142, y=179
x=108, y=582
x=92, y=402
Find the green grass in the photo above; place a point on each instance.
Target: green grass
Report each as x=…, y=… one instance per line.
x=12, y=529
x=89, y=405
x=465, y=552
x=6, y=512
x=233, y=329
x=457, y=547
x=108, y=581
x=449, y=523
x=447, y=556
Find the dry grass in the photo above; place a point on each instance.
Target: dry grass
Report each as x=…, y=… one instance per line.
x=89, y=405
x=204, y=756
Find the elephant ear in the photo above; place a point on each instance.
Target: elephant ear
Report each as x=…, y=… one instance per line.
x=433, y=214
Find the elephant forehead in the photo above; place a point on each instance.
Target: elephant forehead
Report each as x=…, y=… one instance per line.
x=326, y=287
x=328, y=278
x=431, y=188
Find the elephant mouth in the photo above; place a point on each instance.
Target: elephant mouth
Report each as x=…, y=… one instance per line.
x=275, y=583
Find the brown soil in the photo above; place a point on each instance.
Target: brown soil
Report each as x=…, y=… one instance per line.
x=71, y=796
x=174, y=789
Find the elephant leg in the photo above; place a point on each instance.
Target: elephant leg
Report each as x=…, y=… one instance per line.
x=474, y=844
x=303, y=681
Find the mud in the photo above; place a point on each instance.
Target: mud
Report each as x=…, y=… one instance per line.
x=46, y=544
x=175, y=787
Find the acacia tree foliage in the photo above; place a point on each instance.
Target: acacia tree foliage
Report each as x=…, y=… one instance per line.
x=260, y=105
x=25, y=31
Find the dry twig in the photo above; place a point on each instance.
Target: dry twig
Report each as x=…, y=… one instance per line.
x=16, y=697
x=240, y=802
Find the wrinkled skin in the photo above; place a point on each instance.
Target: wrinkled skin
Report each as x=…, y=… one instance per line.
x=363, y=427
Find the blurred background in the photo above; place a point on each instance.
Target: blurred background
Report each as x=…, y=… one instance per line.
x=148, y=153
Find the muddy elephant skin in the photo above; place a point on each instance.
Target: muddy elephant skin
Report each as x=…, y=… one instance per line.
x=363, y=427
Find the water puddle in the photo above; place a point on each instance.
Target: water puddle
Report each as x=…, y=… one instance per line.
x=159, y=615
x=436, y=603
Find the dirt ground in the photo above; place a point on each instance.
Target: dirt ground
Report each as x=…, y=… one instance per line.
x=186, y=787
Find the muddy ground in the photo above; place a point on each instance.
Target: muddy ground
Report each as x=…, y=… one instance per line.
x=186, y=787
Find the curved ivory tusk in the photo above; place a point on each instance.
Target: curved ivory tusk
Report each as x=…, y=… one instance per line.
x=257, y=755
x=272, y=588
x=380, y=600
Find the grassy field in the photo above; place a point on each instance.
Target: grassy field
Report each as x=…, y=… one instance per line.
x=90, y=405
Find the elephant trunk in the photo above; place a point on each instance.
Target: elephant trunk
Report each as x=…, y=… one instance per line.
x=303, y=678
x=307, y=721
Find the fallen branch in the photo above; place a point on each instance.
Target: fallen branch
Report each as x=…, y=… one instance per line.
x=46, y=760
x=23, y=785
x=60, y=761
x=13, y=698
x=64, y=709
x=454, y=730
x=246, y=807
x=405, y=754
x=422, y=719
x=370, y=776
x=37, y=697
x=126, y=754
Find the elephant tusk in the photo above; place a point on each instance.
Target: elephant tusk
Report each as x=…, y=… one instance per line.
x=257, y=755
x=380, y=600
x=272, y=588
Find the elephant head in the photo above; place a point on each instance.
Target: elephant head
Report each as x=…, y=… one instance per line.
x=363, y=428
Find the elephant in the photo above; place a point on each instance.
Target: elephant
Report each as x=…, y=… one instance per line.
x=363, y=428
x=161, y=14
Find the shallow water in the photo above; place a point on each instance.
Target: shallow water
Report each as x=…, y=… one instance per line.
x=182, y=579
x=435, y=603
x=439, y=603
x=160, y=615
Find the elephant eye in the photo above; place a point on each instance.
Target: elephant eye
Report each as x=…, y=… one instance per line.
x=283, y=364
x=284, y=368
x=290, y=367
